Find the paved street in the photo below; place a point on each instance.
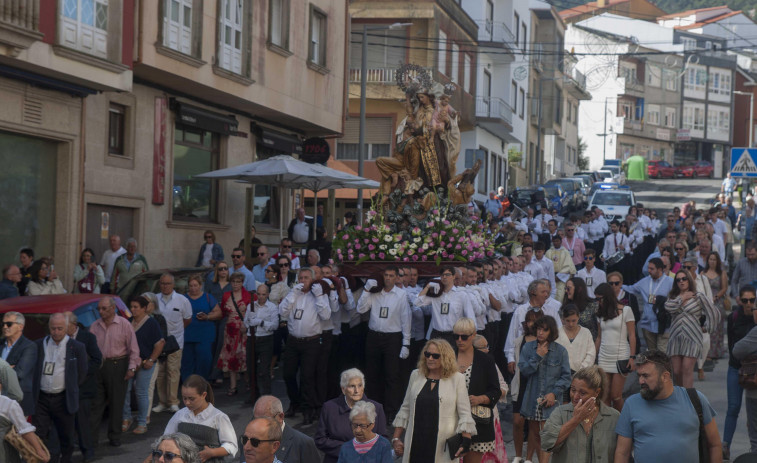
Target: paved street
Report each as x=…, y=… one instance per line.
x=659, y=194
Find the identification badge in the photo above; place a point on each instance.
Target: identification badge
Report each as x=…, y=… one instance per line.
x=589, y=281
x=571, y=253
x=384, y=312
x=651, y=299
x=445, y=308
x=48, y=368
x=298, y=314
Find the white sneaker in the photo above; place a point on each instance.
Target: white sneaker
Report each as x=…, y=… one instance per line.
x=174, y=408
x=159, y=408
x=517, y=459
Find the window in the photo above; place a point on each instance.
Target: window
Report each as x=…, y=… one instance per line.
x=317, y=52
x=378, y=139
x=653, y=114
x=278, y=27
x=689, y=44
x=84, y=25
x=558, y=106
x=194, y=199
x=671, y=80
x=467, y=70
x=116, y=124
x=524, y=42
x=628, y=72
x=386, y=48
x=177, y=25
x=569, y=112
x=442, y=56
x=693, y=116
x=514, y=96
x=695, y=79
x=654, y=76
x=230, y=31
x=720, y=82
x=455, y=71
x=670, y=117
x=627, y=109
x=522, y=102
x=516, y=28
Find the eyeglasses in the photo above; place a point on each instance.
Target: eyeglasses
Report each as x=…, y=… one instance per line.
x=689, y=267
x=9, y=324
x=167, y=456
x=464, y=337
x=286, y=247
x=588, y=257
x=283, y=265
x=360, y=425
x=747, y=300
x=268, y=270
x=262, y=254
x=613, y=283
x=254, y=441
x=236, y=256
x=678, y=280
x=434, y=356
x=208, y=236
x=221, y=269
x=680, y=249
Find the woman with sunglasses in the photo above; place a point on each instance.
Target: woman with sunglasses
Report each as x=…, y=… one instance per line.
x=519, y=423
x=175, y=448
x=616, y=342
x=685, y=304
x=436, y=407
x=740, y=322
x=207, y=426
x=582, y=430
x=210, y=251
x=480, y=373
x=233, y=358
x=367, y=446
x=546, y=365
x=577, y=294
x=680, y=248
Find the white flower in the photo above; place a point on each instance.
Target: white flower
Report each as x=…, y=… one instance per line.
x=417, y=239
x=388, y=238
x=413, y=246
x=382, y=247
x=393, y=252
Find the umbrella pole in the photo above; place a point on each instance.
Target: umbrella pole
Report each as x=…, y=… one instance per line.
x=281, y=213
x=248, y=220
x=315, y=212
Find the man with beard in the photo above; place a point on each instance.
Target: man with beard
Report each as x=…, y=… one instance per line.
x=661, y=422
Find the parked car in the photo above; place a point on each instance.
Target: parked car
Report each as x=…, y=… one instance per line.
x=617, y=173
x=614, y=203
x=698, y=169
x=571, y=187
x=660, y=169
x=525, y=197
x=149, y=281
x=37, y=309
x=586, y=182
x=556, y=197
x=594, y=175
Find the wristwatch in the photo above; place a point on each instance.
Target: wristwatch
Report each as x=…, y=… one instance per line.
x=133, y=370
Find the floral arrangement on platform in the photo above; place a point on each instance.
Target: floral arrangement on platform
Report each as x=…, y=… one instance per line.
x=436, y=238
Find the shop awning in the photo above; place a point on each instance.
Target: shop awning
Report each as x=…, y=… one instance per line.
x=194, y=116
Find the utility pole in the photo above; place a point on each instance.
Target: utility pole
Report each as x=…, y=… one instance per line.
x=604, y=145
x=538, y=135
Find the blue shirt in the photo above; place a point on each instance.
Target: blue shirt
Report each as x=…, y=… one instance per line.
x=659, y=287
x=663, y=430
x=8, y=289
x=258, y=272
x=199, y=330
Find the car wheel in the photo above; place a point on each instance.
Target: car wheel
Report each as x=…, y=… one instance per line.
x=694, y=174
x=659, y=174
x=712, y=174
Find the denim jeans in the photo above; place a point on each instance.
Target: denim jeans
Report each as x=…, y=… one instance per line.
x=735, y=395
x=142, y=380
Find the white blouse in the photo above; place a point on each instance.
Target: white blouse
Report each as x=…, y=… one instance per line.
x=11, y=410
x=211, y=417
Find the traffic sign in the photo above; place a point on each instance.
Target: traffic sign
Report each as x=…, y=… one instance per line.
x=743, y=162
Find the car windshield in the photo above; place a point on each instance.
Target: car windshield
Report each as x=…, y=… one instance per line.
x=612, y=199
x=605, y=174
x=615, y=170
x=550, y=189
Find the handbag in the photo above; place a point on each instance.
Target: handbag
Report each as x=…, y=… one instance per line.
x=663, y=316
x=87, y=284
x=204, y=436
x=748, y=373
x=622, y=365
x=704, y=449
x=24, y=448
x=481, y=414
x=454, y=443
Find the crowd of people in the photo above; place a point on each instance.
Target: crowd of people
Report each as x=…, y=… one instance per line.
x=400, y=366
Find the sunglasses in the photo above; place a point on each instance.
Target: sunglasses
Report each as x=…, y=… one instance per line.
x=689, y=267
x=678, y=280
x=222, y=268
x=613, y=283
x=464, y=337
x=262, y=254
x=236, y=256
x=269, y=271
x=642, y=359
x=167, y=456
x=208, y=236
x=679, y=249
x=434, y=356
x=254, y=441
x=747, y=300
x=286, y=247
x=9, y=324
x=588, y=257
x=283, y=265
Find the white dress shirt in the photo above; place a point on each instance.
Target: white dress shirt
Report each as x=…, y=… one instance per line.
x=447, y=309
x=390, y=312
x=549, y=270
x=108, y=260
x=615, y=242
x=175, y=308
x=592, y=278
x=476, y=297
x=535, y=269
x=211, y=417
x=53, y=379
x=516, y=325
x=265, y=317
x=304, y=312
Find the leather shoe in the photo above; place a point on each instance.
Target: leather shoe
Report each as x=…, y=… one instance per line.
x=115, y=443
x=291, y=411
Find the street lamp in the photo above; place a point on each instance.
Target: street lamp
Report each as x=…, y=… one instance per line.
x=751, y=114
x=363, y=72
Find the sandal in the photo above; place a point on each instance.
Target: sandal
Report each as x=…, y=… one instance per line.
x=232, y=391
x=140, y=430
x=125, y=425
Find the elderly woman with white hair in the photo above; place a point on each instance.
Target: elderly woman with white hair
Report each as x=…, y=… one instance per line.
x=334, y=425
x=175, y=448
x=366, y=446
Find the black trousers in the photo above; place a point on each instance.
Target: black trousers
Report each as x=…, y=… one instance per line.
x=490, y=333
x=382, y=369
x=332, y=388
x=411, y=362
x=82, y=426
x=448, y=336
x=111, y=393
x=51, y=411
x=322, y=374
x=263, y=354
x=301, y=354
x=352, y=346
x=499, y=354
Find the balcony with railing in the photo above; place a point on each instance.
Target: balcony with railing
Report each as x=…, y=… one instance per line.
x=495, y=34
x=386, y=75
x=19, y=23
x=495, y=115
x=537, y=56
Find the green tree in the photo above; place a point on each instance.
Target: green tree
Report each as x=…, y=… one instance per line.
x=583, y=161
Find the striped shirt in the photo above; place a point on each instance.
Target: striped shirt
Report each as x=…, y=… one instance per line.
x=364, y=447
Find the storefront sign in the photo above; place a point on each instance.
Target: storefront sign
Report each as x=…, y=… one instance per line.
x=683, y=135
x=316, y=151
x=159, y=152
x=663, y=134
x=194, y=116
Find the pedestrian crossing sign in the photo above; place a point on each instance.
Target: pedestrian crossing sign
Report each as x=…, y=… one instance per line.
x=743, y=162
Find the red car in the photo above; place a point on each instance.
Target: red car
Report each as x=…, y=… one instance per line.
x=660, y=169
x=698, y=169
x=37, y=310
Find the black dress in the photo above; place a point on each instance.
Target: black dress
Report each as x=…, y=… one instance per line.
x=426, y=425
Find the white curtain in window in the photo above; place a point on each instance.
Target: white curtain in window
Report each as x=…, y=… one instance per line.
x=230, y=46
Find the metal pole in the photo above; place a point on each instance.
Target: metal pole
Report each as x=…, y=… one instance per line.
x=604, y=137
x=751, y=119
x=538, y=135
x=361, y=155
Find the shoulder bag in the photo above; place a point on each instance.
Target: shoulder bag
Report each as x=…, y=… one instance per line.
x=704, y=451
x=87, y=284
x=24, y=448
x=622, y=365
x=663, y=316
x=748, y=373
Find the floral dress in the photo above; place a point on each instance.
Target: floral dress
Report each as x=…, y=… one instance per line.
x=234, y=355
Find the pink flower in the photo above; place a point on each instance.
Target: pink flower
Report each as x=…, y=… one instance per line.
x=455, y=231
x=346, y=237
x=451, y=239
x=424, y=258
x=442, y=244
x=434, y=211
x=435, y=235
x=373, y=256
x=366, y=240
x=374, y=228
x=443, y=232
x=489, y=253
x=371, y=247
x=358, y=228
x=415, y=257
x=381, y=255
x=446, y=222
x=444, y=254
x=464, y=252
x=360, y=256
x=357, y=246
x=405, y=259
x=351, y=256
x=375, y=239
x=458, y=247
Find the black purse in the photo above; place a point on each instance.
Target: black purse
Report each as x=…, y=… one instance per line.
x=663, y=316
x=455, y=442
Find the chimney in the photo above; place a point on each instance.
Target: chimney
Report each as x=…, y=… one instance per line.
x=601, y=3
